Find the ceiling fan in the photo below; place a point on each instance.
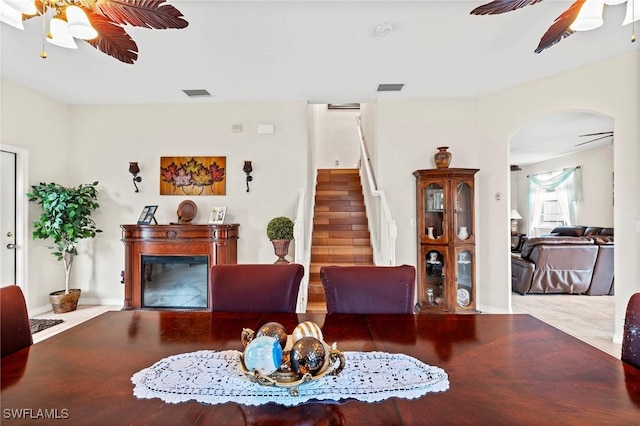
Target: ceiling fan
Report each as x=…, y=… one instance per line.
x=582, y=15
x=98, y=22
x=599, y=136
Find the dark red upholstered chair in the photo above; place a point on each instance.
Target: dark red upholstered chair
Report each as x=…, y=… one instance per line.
x=369, y=289
x=631, y=334
x=255, y=288
x=15, y=332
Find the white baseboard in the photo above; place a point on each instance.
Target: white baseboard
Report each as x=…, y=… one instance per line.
x=39, y=310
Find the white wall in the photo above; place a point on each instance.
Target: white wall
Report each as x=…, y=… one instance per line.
x=596, y=169
x=42, y=126
x=408, y=134
x=337, y=144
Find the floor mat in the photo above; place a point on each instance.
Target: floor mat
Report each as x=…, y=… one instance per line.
x=42, y=324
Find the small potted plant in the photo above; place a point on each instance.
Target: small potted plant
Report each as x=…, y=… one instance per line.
x=280, y=232
x=66, y=219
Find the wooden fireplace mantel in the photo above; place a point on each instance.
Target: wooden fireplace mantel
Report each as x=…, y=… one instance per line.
x=218, y=242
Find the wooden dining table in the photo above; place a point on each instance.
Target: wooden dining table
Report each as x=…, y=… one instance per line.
x=502, y=370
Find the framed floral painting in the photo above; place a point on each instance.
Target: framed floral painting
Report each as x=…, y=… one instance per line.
x=193, y=176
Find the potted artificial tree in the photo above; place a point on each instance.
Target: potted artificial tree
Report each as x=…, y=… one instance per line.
x=280, y=232
x=66, y=219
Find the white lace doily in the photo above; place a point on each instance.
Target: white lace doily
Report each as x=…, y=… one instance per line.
x=215, y=377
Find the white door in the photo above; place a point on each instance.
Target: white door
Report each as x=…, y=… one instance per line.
x=14, y=216
x=8, y=218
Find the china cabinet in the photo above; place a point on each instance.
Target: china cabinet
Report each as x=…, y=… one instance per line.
x=446, y=240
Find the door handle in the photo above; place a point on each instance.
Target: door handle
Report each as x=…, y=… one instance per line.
x=11, y=246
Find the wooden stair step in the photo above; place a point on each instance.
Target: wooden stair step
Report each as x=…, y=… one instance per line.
x=340, y=215
x=321, y=241
x=341, y=234
x=317, y=307
x=357, y=225
x=335, y=173
x=334, y=221
x=328, y=208
x=341, y=258
x=338, y=203
x=341, y=185
x=348, y=234
x=338, y=249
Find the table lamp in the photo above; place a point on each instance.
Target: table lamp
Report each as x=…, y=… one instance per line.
x=515, y=216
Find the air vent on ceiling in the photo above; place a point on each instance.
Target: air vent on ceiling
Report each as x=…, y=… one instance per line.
x=515, y=168
x=344, y=106
x=197, y=93
x=390, y=87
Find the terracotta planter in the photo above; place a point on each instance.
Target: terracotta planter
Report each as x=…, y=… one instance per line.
x=281, y=248
x=62, y=302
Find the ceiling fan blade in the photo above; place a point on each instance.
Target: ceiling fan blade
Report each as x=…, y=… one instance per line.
x=593, y=140
x=497, y=7
x=598, y=134
x=561, y=27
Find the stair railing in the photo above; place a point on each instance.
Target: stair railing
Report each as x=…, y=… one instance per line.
x=301, y=249
x=382, y=227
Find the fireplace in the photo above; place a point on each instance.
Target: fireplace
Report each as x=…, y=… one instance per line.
x=159, y=259
x=175, y=282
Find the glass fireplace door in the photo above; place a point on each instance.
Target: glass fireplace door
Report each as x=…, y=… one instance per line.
x=175, y=282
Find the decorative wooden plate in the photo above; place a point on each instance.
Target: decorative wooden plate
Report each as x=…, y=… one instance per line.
x=187, y=211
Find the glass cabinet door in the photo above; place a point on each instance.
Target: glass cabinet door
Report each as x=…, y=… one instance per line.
x=435, y=265
x=463, y=205
x=464, y=277
x=433, y=211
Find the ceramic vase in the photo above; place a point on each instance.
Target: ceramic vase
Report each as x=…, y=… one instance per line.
x=442, y=158
x=430, y=232
x=463, y=234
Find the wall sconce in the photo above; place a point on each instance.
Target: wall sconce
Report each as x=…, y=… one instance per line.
x=134, y=170
x=248, y=169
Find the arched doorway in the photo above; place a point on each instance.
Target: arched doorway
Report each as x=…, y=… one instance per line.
x=553, y=142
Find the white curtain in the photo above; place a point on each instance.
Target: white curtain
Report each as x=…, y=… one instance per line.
x=567, y=186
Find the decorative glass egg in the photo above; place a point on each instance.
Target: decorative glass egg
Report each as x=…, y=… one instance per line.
x=306, y=329
x=264, y=354
x=307, y=356
x=275, y=330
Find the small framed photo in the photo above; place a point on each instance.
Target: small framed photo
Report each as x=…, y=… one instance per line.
x=217, y=215
x=147, y=215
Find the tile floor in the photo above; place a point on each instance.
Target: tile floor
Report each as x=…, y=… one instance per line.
x=589, y=319
x=70, y=319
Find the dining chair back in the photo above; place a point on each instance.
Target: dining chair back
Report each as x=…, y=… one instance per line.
x=15, y=332
x=255, y=287
x=631, y=335
x=369, y=289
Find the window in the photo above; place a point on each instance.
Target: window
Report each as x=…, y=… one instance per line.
x=552, y=198
x=551, y=214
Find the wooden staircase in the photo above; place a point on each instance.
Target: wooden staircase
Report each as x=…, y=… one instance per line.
x=340, y=232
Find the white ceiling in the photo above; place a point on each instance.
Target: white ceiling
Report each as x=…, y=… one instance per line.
x=315, y=51
x=559, y=134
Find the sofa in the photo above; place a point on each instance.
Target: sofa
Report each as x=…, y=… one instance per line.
x=569, y=260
